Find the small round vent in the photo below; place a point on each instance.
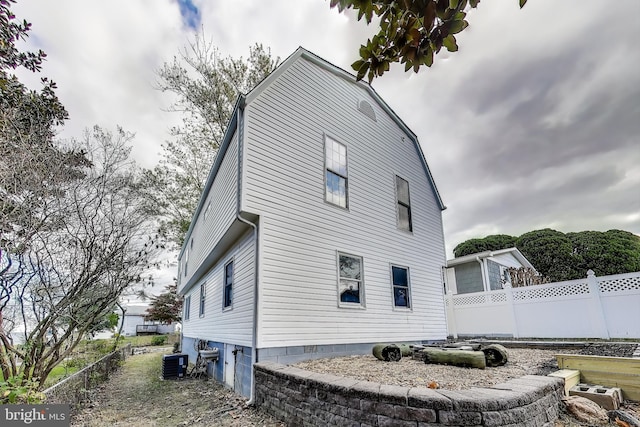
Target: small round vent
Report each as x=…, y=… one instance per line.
x=365, y=108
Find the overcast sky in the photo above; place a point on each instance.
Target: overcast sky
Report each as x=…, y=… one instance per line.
x=533, y=123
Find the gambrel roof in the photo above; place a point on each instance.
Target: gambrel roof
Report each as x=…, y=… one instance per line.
x=256, y=91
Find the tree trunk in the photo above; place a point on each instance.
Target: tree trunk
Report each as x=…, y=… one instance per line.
x=495, y=355
x=465, y=358
x=405, y=350
x=387, y=352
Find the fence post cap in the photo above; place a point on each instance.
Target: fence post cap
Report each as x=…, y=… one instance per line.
x=590, y=273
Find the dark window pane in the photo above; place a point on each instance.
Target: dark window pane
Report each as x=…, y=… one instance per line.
x=401, y=296
x=402, y=189
x=404, y=218
x=228, y=284
x=228, y=295
x=349, y=291
x=399, y=276
x=230, y=269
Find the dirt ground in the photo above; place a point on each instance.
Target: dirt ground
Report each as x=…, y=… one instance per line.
x=136, y=396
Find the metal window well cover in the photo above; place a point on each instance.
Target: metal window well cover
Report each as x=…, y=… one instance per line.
x=174, y=365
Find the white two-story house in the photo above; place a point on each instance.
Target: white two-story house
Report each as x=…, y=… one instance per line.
x=319, y=232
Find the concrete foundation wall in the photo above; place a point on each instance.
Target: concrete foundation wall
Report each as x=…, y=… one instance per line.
x=304, y=398
x=241, y=363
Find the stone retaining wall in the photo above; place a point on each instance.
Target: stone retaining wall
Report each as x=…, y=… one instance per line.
x=304, y=398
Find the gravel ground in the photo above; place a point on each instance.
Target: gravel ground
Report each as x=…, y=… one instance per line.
x=409, y=372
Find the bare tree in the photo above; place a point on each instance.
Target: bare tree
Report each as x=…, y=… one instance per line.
x=206, y=86
x=73, y=271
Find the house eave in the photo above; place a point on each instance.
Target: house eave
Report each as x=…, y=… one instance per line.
x=488, y=254
x=222, y=151
x=235, y=231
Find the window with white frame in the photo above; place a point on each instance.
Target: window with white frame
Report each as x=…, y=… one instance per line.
x=336, y=176
x=350, y=280
x=187, y=307
x=403, y=205
x=228, y=284
x=186, y=262
x=400, y=284
x=203, y=298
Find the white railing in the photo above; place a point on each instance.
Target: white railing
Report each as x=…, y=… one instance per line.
x=594, y=307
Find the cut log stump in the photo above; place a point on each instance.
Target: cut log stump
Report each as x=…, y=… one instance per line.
x=495, y=355
x=465, y=358
x=387, y=352
x=405, y=349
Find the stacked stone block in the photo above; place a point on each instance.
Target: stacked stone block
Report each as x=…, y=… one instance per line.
x=304, y=398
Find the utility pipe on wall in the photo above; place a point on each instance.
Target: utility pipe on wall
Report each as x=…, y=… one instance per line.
x=254, y=338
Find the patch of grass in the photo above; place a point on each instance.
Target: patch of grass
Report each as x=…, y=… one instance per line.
x=148, y=340
x=158, y=340
x=60, y=372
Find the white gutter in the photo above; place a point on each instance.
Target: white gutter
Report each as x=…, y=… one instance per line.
x=482, y=273
x=254, y=335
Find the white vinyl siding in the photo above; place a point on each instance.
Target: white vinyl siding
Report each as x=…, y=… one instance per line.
x=507, y=259
x=220, y=209
x=301, y=232
x=227, y=325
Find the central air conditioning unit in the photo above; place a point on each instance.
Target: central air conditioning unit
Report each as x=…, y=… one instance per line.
x=174, y=366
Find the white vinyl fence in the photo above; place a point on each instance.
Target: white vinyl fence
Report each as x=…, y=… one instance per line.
x=594, y=307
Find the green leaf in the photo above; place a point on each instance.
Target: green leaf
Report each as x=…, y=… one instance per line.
x=474, y=3
x=359, y=63
x=453, y=4
x=456, y=26
x=522, y=3
x=450, y=43
x=362, y=71
x=371, y=76
x=364, y=51
x=428, y=57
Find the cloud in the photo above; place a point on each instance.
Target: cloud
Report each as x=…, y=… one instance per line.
x=534, y=122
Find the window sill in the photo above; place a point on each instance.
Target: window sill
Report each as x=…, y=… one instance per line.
x=351, y=306
x=346, y=209
x=409, y=232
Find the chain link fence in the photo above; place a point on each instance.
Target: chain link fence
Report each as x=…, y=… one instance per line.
x=78, y=388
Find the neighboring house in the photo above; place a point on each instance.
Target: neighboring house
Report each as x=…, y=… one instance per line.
x=319, y=232
x=133, y=322
x=484, y=271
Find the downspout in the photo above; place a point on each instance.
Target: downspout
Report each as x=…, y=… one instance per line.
x=482, y=268
x=254, y=335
